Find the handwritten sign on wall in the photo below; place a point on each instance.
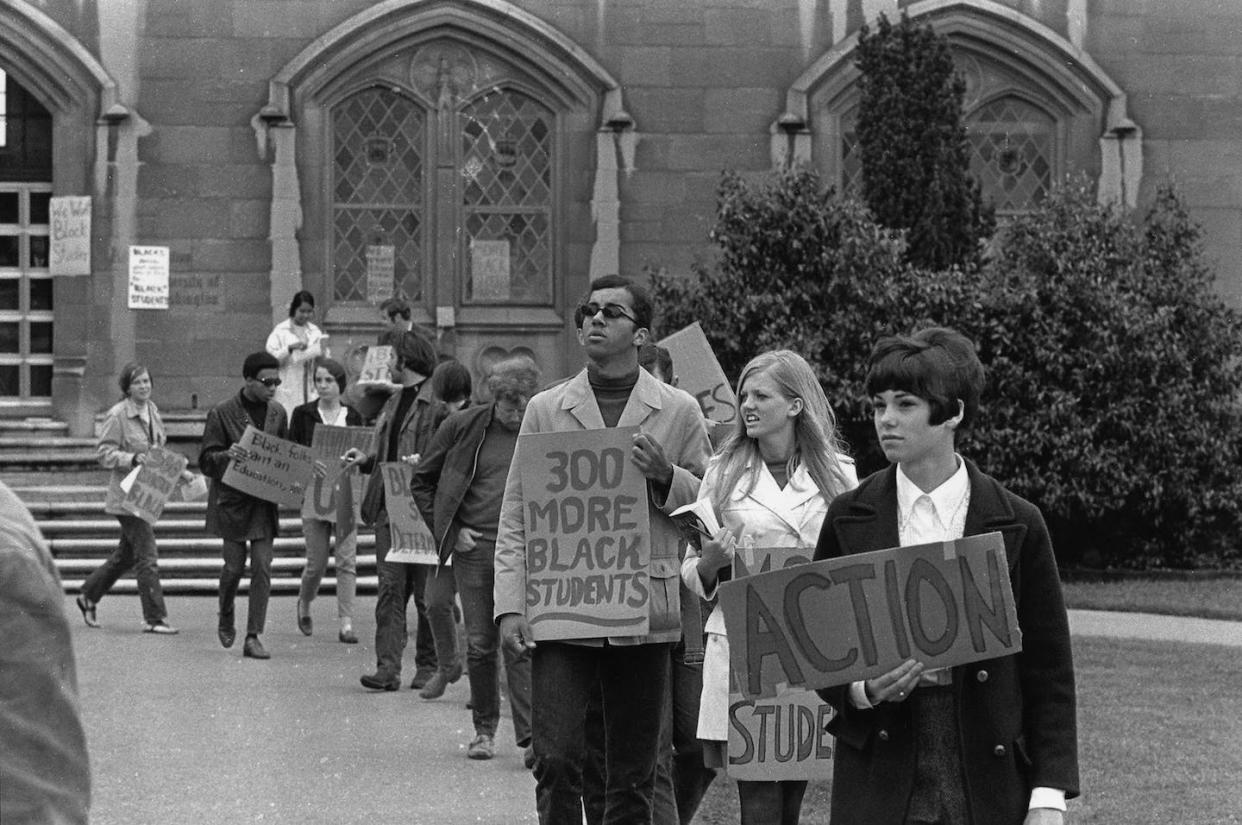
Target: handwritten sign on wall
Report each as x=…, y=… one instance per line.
x=148, y=277
x=70, y=236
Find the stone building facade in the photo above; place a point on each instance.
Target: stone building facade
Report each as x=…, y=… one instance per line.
x=490, y=157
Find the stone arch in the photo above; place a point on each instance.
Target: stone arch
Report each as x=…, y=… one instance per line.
x=1094, y=107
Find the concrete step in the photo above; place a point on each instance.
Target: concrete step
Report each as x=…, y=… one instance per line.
x=98, y=547
x=210, y=585
x=42, y=426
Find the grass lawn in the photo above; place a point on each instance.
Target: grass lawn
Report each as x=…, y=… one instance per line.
x=1160, y=739
x=1206, y=598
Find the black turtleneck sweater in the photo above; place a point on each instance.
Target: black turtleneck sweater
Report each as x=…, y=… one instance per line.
x=612, y=394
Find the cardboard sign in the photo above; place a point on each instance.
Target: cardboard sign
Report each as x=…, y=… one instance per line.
x=779, y=738
x=328, y=444
x=841, y=620
x=412, y=542
x=70, y=236
x=278, y=471
x=699, y=373
x=375, y=366
x=588, y=534
x=148, y=277
x=381, y=265
x=153, y=485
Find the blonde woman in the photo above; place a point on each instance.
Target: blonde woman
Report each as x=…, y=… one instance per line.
x=770, y=484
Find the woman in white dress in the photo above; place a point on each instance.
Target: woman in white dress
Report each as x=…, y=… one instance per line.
x=770, y=484
x=296, y=342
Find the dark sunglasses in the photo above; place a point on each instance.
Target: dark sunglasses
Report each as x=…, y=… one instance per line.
x=611, y=311
x=269, y=382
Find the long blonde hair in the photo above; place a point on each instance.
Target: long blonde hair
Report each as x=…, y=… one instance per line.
x=816, y=443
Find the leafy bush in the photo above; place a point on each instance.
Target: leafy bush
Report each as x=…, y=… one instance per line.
x=1114, y=369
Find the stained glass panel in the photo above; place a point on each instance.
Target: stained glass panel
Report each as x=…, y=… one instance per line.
x=1012, y=146
x=378, y=144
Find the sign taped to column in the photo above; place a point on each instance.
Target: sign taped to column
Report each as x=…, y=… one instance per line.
x=588, y=535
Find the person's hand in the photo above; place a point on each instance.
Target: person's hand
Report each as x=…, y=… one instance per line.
x=515, y=633
x=297, y=345
x=321, y=469
x=353, y=457
x=186, y=476
x=467, y=538
x=411, y=459
x=896, y=685
x=239, y=453
x=1044, y=816
x=717, y=553
x=138, y=460
x=648, y=456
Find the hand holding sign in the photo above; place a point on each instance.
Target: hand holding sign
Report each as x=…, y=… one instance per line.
x=648, y=456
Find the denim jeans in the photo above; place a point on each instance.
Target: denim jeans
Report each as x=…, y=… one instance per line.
x=397, y=583
x=439, y=597
x=317, y=534
x=260, y=582
x=136, y=550
x=633, y=681
x=475, y=576
x=681, y=777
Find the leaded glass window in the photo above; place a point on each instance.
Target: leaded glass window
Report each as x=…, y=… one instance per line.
x=1012, y=147
x=506, y=143
x=379, y=143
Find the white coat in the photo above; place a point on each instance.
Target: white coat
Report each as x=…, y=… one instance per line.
x=297, y=379
x=769, y=517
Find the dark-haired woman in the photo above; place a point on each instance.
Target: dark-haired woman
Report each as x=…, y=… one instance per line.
x=327, y=409
x=296, y=342
x=131, y=428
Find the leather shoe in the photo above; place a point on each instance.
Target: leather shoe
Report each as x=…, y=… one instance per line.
x=88, y=611
x=528, y=758
x=435, y=686
x=347, y=636
x=254, y=649
x=421, y=677
x=227, y=635
x=304, y=619
x=376, y=681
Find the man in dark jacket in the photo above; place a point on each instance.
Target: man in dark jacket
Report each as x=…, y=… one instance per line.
x=990, y=742
x=237, y=517
x=459, y=486
x=402, y=432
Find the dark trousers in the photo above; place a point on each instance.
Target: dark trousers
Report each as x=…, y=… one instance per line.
x=137, y=551
x=771, y=803
x=938, y=796
x=260, y=582
x=681, y=777
x=439, y=596
x=397, y=583
x=633, y=681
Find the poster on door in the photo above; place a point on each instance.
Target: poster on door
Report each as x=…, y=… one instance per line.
x=70, y=236
x=489, y=269
x=381, y=269
x=148, y=277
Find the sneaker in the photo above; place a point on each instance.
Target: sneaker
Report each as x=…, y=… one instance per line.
x=160, y=628
x=482, y=746
x=347, y=636
x=88, y=611
x=440, y=680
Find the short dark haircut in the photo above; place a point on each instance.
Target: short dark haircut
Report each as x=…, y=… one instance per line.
x=256, y=362
x=300, y=297
x=394, y=306
x=451, y=382
x=335, y=368
x=649, y=354
x=128, y=373
x=514, y=379
x=937, y=364
x=639, y=297
x=414, y=352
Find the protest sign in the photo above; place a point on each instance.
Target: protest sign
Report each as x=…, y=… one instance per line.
x=412, y=542
x=699, y=373
x=278, y=470
x=148, y=277
x=780, y=738
x=70, y=239
x=375, y=366
x=155, y=481
x=836, y=621
x=328, y=444
x=588, y=542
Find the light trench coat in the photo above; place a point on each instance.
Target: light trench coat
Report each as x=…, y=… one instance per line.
x=297, y=379
x=769, y=517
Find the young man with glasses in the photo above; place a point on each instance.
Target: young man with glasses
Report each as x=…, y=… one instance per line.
x=630, y=673
x=236, y=517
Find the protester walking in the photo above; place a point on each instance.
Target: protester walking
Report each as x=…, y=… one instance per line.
x=131, y=428
x=296, y=342
x=993, y=741
x=328, y=409
x=238, y=518
x=770, y=486
x=459, y=485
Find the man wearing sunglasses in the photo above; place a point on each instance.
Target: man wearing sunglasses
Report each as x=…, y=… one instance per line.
x=631, y=674
x=236, y=517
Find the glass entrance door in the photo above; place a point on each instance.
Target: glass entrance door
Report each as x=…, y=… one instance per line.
x=25, y=297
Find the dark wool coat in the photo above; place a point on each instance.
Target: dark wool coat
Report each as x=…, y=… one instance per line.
x=414, y=434
x=1016, y=714
x=232, y=514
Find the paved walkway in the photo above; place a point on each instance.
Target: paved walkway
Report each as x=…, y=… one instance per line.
x=1154, y=627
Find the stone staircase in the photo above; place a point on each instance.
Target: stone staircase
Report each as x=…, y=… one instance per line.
x=58, y=478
